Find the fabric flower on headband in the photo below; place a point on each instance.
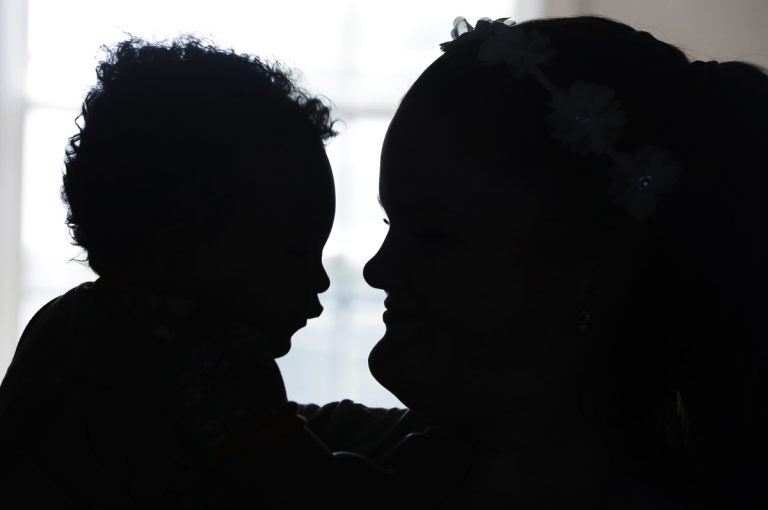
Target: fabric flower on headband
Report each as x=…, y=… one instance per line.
x=639, y=180
x=523, y=52
x=587, y=118
x=460, y=27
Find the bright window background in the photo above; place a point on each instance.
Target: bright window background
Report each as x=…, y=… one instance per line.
x=361, y=55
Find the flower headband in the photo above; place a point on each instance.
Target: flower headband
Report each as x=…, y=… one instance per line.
x=586, y=118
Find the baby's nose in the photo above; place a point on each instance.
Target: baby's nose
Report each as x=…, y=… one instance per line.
x=324, y=282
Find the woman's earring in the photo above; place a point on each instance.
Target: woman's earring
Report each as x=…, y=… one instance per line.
x=582, y=318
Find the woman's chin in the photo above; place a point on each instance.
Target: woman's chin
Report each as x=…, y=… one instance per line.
x=380, y=362
x=401, y=353
x=400, y=362
x=280, y=346
x=425, y=377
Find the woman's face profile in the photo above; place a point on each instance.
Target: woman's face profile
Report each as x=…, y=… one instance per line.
x=475, y=307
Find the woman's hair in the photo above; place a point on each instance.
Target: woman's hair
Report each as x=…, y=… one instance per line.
x=159, y=139
x=677, y=379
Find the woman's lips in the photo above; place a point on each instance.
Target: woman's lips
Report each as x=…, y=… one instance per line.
x=396, y=312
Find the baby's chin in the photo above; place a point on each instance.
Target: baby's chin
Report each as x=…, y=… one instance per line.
x=279, y=337
x=280, y=346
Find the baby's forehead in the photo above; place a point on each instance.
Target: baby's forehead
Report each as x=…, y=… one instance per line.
x=283, y=153
x=288, y=168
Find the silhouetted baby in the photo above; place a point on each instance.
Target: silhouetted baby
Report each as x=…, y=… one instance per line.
x=199, y=188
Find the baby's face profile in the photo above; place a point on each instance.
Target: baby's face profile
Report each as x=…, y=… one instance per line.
x=473, y=309
x=266, y=266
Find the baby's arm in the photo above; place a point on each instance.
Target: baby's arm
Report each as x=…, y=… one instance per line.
x=258, y=446
x=351, y=427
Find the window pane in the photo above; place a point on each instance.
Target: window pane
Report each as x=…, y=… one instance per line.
x=48, y=268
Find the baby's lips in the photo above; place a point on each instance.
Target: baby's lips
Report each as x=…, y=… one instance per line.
x=315, y=311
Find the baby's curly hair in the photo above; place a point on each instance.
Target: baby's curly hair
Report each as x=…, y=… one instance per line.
x=165, y=118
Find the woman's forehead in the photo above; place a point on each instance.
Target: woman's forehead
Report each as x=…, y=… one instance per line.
x=416, y=125
x=450, y=191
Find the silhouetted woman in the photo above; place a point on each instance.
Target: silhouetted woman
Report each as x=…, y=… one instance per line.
x=575, y=271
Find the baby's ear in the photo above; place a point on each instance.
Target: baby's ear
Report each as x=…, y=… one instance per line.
x=177, y=255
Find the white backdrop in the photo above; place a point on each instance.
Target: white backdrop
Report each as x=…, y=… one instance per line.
x=361, y=55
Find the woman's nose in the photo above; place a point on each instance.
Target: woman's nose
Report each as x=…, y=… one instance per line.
x=371, y=271
x=381, y=271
